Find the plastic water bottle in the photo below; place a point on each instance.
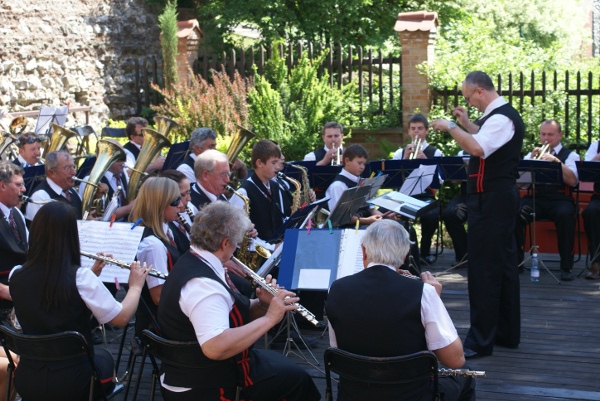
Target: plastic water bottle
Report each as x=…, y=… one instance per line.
x=535, y=271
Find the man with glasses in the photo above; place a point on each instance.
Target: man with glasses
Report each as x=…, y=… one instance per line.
x=29, y=150
x=134, y=128
x=14, y=235
x=494, y=142
x=212, y=176
x=58, y=185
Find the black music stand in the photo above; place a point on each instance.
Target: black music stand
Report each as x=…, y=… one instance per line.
x=298, y=218
x=453, y=168
x=589, y=171
x=347, y=206
x=538, y=172
x=177, y=153
x=320, y=177
x=398, y=170
x=32, y=176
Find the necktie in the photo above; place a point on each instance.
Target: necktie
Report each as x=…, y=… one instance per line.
x=180, y=227
x=67, y=195
x=171, y=239
x=122, y=200
x=13, y=227
x=230, y=283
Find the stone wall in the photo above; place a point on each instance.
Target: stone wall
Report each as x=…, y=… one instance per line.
x=77, y=51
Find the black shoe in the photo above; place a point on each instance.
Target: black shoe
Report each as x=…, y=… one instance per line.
x=470, y=354
x=429, y=259
x=566, y=275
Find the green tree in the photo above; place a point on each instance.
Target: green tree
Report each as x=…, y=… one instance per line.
x=168, y=27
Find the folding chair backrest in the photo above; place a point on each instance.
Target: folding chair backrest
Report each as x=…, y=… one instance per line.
x=396, y=370
x=84, y=130
x=113, y=132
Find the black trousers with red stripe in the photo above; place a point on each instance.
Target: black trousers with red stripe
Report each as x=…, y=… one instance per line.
x=494, y=289
x=288, y=382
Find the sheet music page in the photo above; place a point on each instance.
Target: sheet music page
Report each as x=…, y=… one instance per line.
x=48, y=114
x=119, y=240
x=350, y=260
x=419, y=180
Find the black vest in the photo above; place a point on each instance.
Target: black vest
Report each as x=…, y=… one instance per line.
x=26, y=290
x=597, y=184
x=176, y=325
x=199, y=198
x=111, y=191
x=498, y=172
x=429, y=151
x=130, y=146
x=320, y=154
x=13, y=252
x=75, y=200
x=189, y=161
x=265, y=213
x=181, y=239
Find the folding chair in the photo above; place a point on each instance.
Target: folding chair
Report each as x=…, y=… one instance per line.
x=396, y=372
x=113, y=132
x=53, y=348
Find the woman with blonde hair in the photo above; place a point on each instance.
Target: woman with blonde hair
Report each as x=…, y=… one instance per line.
x=158, y=203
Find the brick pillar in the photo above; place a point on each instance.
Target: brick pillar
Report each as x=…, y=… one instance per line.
x=417, y=32
x=188, y=35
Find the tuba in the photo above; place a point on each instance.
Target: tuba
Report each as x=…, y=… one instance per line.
x=59, y=138
x=154, y=142
x=109, y=151
x=239, y=139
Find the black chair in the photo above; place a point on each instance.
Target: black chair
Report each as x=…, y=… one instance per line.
x=52, y=348
x=184, y=354
x=395, y=371
x=113, y=132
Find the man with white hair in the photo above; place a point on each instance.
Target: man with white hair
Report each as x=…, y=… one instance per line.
x=359, y=304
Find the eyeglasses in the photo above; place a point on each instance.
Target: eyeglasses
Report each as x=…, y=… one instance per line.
x=70, y=167
x=176, y=202
x=468, y=98
x=224, y=174
x=28, y=140
x=137, y=134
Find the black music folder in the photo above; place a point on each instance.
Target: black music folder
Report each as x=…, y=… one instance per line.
x=403, y=204
x=347, y=206
x=177, y=153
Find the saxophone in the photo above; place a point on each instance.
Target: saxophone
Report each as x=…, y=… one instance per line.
x=297, y=192
x=305, y=183
x=251, y=258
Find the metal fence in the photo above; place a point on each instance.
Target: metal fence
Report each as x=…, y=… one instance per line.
x=573, y=99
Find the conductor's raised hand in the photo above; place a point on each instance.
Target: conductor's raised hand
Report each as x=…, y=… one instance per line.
x=462, y=115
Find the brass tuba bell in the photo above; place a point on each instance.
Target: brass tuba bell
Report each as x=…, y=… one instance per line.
x=154, y=142
x=239, y=139
x=109, y=151
x=59, y=138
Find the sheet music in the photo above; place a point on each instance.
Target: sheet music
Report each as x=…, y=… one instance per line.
x=56, y=115
x=119, y=240
x=350, y=261
x=399, y=203
x=419, y=180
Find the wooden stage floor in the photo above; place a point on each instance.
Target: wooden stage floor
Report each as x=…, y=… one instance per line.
x=558, y=358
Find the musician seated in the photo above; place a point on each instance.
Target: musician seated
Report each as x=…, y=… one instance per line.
x=52, y=294
x=418, y=128
x=354, y=161
x=113, y=178
x=330, y=153
x=202, y=139
x=591, y=219
x=199, y=302
x=58, y=185
x=417, y=320
x=133, y=129
x=182, y=226
x=552, y=201
x=158, y=204
x=29, y=150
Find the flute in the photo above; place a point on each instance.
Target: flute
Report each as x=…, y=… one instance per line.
x=461, y=372
x=305, y=313
x=152, y=272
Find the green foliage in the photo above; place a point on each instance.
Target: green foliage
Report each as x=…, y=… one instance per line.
x=168, y=27
x=290, y=107
x=220, y=105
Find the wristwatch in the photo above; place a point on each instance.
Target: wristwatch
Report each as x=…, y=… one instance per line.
x=451, y=125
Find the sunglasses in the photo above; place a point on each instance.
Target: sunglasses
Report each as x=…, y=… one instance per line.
x=28, y=140
x=176, y=202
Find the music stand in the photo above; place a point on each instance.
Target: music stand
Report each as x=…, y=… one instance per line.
x=298, y=218
x=398, y=170
x=347, y=206
x=47, y=115
x=320, y=177
x=589, y=171
x=177, y=154
x=538, y=171
x=32, y=176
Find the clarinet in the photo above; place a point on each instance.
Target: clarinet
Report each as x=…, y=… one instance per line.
x=461, y=372
x=184, y=223
x=305, y=313
x=152, y=272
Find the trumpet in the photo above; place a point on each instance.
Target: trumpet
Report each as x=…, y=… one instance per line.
x=461, y=372
x=545, y=149
x=273, y=291
x=110, y=261
x=337, y=160
x=416, y=149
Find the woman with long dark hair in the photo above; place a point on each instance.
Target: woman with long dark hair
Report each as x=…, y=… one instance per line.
x=52, y=293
